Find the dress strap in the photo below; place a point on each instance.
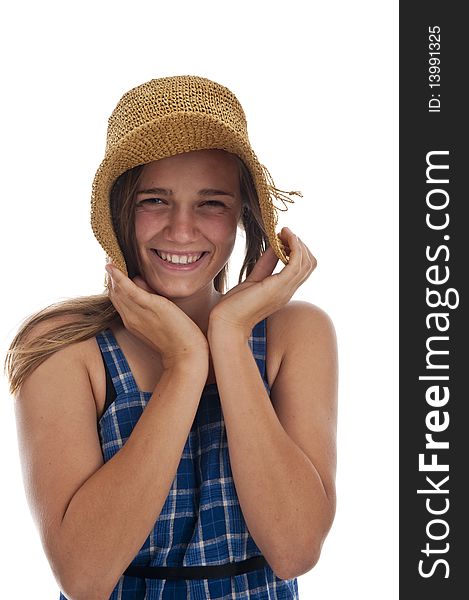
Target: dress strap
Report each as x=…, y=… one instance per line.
x=124, y=381
x=258, y=345
x=117, y=364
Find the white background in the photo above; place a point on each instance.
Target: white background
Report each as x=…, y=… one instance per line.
x=318, y=82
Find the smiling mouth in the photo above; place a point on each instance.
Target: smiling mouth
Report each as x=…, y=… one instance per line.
x=177, y=259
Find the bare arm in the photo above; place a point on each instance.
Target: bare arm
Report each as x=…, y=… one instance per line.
x=93, y=518
x=282, y=449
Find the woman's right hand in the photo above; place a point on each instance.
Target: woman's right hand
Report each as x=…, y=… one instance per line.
x=155, y=319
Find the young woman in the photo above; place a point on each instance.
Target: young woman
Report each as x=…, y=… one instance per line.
x=178, y=440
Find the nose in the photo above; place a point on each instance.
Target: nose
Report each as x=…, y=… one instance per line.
x=182, y=225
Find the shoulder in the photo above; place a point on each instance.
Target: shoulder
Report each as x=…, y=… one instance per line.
x=63, y=322
x=39, y=328
x=301, y=347
x=47, y=349
x=44, y=335
x=299, y=323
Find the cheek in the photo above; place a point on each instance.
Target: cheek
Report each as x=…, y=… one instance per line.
x=145, y=224
x=222, y=231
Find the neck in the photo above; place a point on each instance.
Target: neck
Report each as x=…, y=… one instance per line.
x=199, y=306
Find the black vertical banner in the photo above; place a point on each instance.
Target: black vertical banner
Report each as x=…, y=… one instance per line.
x=434, y=268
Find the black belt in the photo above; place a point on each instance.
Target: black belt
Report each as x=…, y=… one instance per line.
x=202, y=572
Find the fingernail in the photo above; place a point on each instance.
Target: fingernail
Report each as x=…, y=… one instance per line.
x=109, y=270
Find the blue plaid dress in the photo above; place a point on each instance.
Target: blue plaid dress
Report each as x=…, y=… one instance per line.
x=201, y=522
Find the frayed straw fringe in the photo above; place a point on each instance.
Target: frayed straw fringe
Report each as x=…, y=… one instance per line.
x=281, y=195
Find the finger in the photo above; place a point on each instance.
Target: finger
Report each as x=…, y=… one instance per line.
x=312, y=258
x=301, y=261
x=122, y=284
x=125, y=294
x=127, y=303
x=114, y=274
x=264, y=266
x=308, y=262
x=294, y=250
x=284, y=234
x=309, y=258
x=112, y=291
x=288, y=238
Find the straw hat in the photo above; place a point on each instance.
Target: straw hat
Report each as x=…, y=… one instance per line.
x=169, y=116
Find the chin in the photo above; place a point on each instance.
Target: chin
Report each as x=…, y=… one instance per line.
x=172, y=290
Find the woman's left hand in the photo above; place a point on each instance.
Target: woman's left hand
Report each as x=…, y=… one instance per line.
x=262, y=294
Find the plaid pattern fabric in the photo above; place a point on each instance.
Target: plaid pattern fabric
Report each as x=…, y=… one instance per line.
x=201, y=522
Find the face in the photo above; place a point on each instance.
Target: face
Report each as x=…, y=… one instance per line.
x=187, y=210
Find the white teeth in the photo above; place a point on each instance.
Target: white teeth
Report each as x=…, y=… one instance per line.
x=179, y=259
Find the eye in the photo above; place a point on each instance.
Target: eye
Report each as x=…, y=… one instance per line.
x=149, y=202
x=215, y=203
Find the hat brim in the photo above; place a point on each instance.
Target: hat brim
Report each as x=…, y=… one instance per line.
x=167, y=136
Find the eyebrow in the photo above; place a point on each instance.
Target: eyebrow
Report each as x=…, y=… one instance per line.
x=203, y=192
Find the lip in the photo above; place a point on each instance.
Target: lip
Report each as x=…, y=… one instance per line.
x=173, y=267
x=180, y=253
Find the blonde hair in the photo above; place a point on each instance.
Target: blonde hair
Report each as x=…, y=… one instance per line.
x=78, y=319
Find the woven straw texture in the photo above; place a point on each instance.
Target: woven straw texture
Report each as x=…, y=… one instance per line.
x=169, y=116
